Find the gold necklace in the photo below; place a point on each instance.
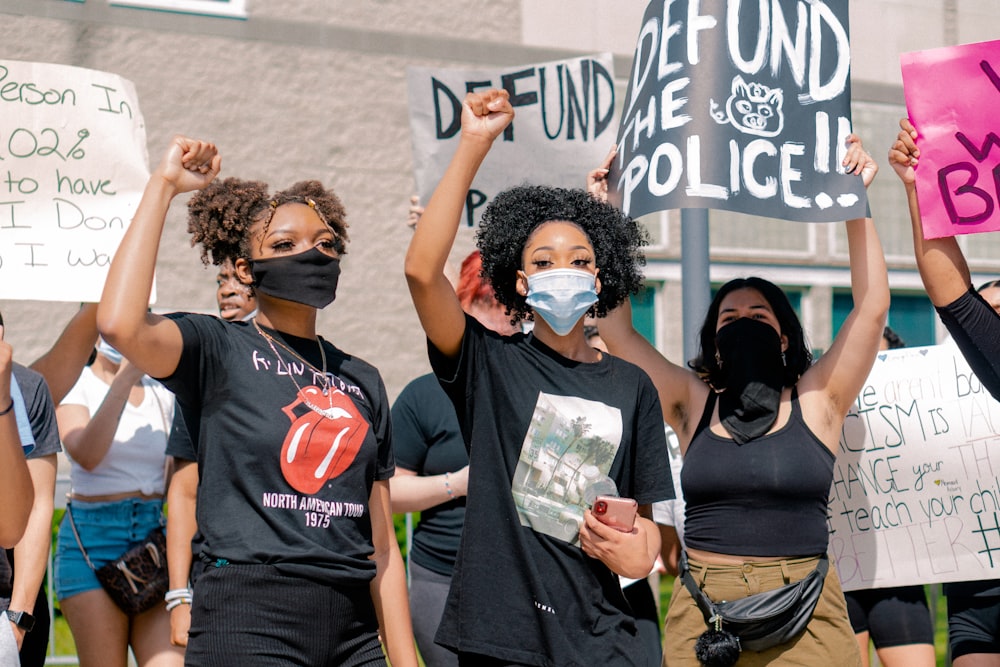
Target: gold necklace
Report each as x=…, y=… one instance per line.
x=322, y=354
x=328, y=412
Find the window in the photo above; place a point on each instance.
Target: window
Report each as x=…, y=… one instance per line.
x=656, y=225
x=229, y=8
x=644, y=312
x=910, y=315
x=877, y=124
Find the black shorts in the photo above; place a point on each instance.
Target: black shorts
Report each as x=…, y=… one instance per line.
x=891, y=616
x=973, y=624
x=255, y=616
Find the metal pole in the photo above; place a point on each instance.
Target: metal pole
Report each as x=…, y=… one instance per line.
x=696, y=290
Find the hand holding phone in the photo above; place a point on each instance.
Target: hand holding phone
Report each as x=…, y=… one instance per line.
x=619, y=513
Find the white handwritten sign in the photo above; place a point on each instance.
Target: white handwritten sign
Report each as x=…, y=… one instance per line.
x=73, y=164
x=916, y=491
x=563, y=125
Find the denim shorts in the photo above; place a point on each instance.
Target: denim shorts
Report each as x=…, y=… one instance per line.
x=107, y=530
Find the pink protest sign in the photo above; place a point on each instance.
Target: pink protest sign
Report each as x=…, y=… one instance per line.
x=951, y=98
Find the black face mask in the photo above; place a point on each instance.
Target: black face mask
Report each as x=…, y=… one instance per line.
x=309, y=277
x=753, y=370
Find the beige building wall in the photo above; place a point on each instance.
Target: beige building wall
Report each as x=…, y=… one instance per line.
x=317, y=89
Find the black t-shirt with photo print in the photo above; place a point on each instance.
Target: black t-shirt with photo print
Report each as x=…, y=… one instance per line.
x=285, y=470
x=545, y=432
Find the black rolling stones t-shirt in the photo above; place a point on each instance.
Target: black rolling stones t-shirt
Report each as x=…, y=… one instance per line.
x=285, y=469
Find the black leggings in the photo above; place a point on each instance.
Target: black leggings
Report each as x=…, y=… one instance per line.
x=428, y=594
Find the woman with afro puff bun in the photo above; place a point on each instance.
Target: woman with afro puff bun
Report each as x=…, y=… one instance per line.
x=550, y=422
x=301, y=561
x=216, y=213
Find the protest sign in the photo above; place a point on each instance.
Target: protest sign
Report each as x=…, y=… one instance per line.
x=916, y=489
x=950, y=98
x=562, y=128
x=743, y=106
x=72, y=169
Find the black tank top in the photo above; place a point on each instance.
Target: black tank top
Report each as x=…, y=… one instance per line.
x=767, y=497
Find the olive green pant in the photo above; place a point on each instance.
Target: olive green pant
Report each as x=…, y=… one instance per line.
x=828, y=640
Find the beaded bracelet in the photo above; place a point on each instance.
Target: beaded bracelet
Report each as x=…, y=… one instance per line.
x=447, y=486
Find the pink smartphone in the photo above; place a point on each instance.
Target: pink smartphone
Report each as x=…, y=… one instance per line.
x=619, y=513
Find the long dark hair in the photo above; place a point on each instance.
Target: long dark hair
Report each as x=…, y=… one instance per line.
x=988, y=284
x=798, y=357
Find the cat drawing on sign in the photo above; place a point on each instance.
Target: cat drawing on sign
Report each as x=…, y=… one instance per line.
x=752, y=108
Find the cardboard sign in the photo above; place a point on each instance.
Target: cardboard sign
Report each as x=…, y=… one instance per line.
x=743, y=106
x=916, y=491
x=72, y=169
x=563, y=125
x=951, y=97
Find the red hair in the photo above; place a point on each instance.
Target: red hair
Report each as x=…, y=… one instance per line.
x=472, y=287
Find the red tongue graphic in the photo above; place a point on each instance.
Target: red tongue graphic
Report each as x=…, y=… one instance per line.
x=317, y=449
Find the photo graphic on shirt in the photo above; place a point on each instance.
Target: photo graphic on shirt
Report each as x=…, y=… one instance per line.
x=570, y=445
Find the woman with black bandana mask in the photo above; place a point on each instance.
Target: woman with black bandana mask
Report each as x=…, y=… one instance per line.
x=759, y=426
x=302, y=563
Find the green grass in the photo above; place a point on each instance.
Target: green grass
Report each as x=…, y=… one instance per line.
x=64, y=638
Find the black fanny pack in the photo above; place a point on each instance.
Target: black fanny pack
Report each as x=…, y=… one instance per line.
x=756, y=622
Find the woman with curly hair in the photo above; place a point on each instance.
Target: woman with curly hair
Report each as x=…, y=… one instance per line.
x=302, y=563
x=759, y=426
x=432, y=473
x=549, y=420
x=214, y=212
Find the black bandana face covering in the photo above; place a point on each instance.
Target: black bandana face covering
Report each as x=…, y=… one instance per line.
x=753, y=371
x=309, y=277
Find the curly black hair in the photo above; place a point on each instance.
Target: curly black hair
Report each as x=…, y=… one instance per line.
x=221, y=215
x=514, y=214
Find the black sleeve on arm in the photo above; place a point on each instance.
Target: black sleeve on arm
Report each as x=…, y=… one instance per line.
x=409, y=441
x=180, y=443
x=975, y=326
x=453, y=373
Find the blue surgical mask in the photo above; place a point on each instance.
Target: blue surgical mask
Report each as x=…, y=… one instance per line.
x=113, y=355
x=562, y=296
